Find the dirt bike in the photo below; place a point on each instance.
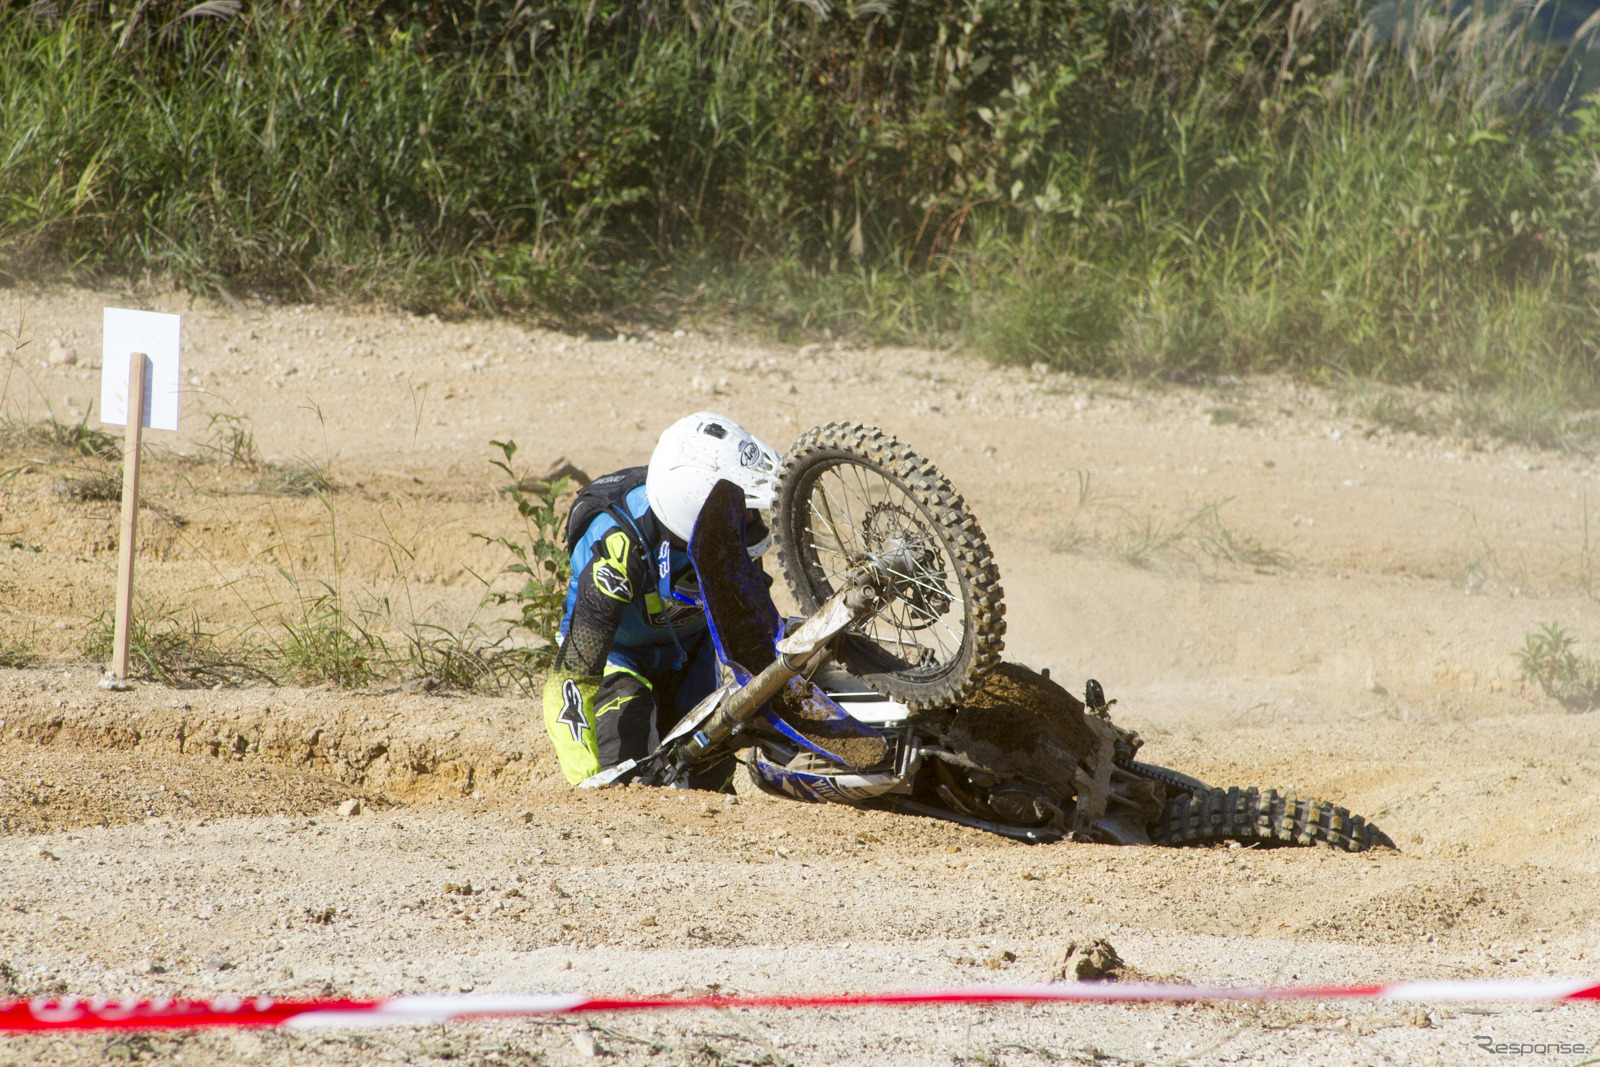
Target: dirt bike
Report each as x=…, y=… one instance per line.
x=890, y=691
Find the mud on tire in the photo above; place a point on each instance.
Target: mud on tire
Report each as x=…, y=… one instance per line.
x=1262, y=817
x=939, y=508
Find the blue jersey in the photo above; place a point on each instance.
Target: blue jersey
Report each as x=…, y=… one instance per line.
x=649, y=578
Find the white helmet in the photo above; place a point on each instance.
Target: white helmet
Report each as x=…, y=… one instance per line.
x=693, y=455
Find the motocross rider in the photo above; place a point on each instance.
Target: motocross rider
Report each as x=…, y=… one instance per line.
x=636, y=652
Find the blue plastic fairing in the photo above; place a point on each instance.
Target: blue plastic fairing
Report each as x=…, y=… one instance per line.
x=841, y=787
x=744, y=621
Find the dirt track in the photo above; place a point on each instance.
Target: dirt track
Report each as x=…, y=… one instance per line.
x=1357, y=645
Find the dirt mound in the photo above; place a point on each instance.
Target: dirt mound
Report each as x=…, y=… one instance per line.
x=409, y=746
x=1020, y=722
x=46, y=789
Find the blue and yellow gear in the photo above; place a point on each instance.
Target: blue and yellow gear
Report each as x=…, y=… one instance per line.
x=632, y=630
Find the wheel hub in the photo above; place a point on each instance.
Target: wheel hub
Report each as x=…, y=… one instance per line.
x=905, y=552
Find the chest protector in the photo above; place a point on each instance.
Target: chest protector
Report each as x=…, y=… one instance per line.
x=672, y=604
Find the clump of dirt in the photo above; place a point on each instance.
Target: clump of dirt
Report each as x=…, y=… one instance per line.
x=859, y=752
x=1089, y=960
x=1021, y=722
x=852, y=749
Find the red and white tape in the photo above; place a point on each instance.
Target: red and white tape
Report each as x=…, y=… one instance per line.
x=72, y=1013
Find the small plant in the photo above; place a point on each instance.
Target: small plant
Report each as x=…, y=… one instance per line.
x=1088, y=494
x=1138, y=543
x=434, y=654
x=16, y=653
x=231, y=442
x=542, y=559
x=1547, y=658
x=1394, y=411
x=329, y=636
x=1586, y=547
x=455, y=660
x=93, y=487
x=130, y=1048
x=13, y=985
x=105, y=486
x=1540, y=421
x=1225, y=415
x=328, y=642
x=1225, y=546
x=13, y=340
x=298, y=479
x=175, y=651
x=50, y=432
x=1067, y=537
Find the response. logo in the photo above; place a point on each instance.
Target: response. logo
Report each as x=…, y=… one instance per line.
x=612, y=581
x=1531, y=1048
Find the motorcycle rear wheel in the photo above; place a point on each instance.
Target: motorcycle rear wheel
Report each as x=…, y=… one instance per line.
x=1262, y=817
x=850, y=494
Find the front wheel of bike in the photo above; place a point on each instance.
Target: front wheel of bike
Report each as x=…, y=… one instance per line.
x=851, y=496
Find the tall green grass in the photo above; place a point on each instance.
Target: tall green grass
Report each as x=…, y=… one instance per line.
x=1408, y=193
x=1404, y=216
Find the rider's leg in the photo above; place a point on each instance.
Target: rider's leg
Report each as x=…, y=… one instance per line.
x=679, y=691
x=636, y=704
x=690, y=686
x=624, y=715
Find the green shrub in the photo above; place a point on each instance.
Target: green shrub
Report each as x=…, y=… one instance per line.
x=75, y=437
x=540, y=559
x=1547, y=659
x=175, y=650
x=1193, y=188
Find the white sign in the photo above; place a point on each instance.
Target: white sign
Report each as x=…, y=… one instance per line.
x=156, y=335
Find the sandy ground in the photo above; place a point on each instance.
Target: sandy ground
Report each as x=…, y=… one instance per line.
x=1349, y=634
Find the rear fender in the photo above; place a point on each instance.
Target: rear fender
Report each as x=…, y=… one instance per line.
x=823, y=717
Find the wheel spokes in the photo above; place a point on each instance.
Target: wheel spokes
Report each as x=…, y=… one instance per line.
x=860, y=516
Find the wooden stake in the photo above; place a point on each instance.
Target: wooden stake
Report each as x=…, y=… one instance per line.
x=137, y=384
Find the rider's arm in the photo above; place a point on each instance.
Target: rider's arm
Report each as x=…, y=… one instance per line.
x=606, y=586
